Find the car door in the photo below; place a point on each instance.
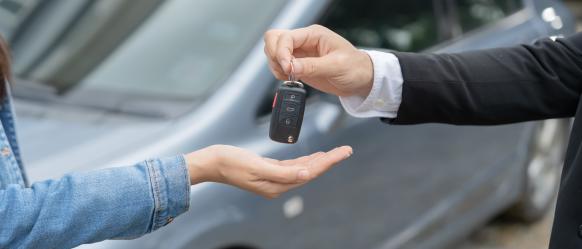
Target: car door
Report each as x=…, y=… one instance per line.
x=481, y=24
x=405, y=184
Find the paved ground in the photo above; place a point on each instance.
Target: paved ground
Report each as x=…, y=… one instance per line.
x=500, y=234
x=576, y=7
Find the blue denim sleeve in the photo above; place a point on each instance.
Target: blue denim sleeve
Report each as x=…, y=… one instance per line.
x=79, y=208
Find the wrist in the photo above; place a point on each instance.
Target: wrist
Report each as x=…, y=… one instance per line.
x=366, y=79
x=200, y=165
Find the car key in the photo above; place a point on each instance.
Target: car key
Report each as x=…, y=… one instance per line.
x=288, y=108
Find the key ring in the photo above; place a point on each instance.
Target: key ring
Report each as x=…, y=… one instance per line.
x=292, y=80
x=292, y=73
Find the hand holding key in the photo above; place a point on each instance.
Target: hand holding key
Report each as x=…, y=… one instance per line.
x=323, y=59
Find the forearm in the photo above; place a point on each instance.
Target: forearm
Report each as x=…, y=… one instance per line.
x=80, y=208
x=494, y=86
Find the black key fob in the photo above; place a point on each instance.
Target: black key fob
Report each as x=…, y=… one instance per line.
x=287, y=115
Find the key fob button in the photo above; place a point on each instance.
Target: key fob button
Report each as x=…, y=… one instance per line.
x=289, y=108
x=290, y=121
x=293, y=97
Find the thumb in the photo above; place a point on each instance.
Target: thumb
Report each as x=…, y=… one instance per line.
x=314, y=67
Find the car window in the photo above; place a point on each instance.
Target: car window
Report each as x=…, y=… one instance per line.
x=477, y=13
x=174, y=50
x=410, y=25
x=186, y=48
x=13, y=13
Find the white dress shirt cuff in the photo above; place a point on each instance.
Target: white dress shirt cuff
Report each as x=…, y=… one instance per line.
x=386, y=94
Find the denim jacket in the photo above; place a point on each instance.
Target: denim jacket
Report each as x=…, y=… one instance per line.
x=79, y=208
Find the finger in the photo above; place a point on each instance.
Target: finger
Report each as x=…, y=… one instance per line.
x=278, y=75
x=276, y=173
x=305, y=39
x=296, y=161
x=320, y=161
x=271, y=160
x=271, y=37
x=302, y=160
x=284, y=51
x=276, y=70
x=300, y=53
x=274, y=66
x=325, y=162
x=315, y=67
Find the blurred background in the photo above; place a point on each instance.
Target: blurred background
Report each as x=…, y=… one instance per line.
x=110, y=82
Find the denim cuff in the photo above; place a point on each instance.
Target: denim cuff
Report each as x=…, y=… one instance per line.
x=170, y=185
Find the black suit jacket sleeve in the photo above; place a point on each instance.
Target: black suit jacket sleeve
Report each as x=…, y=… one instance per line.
x=493, y=86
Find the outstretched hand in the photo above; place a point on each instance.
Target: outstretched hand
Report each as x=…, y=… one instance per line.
x=264, y=176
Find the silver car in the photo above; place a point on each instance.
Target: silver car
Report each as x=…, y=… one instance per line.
x=126, y=81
